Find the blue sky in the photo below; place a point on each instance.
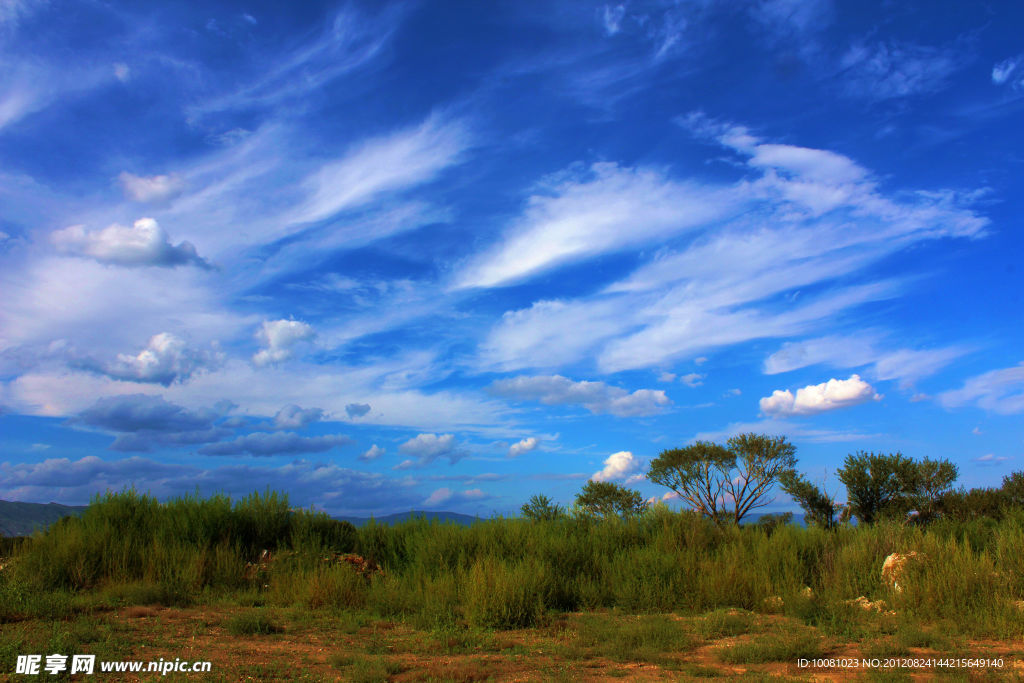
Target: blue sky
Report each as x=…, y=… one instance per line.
x=448, y=255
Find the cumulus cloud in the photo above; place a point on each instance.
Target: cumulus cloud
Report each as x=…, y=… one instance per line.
x=143, y=244
x=693, y=379
x=145, y=421
x=617, y=467
x=819, y=398
x=372, y=453
x=1000, y=391
x=279, y=337
x=357, y=409
x=597, y=397
x=447, y=495
x=165, y=360
x=427, y=448
x=294, y=417
x=522, y=446
x=156, y=188
x=275, y=443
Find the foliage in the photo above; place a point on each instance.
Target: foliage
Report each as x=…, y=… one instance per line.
x=710, y=477
x=891, y=485
x=540, y=508
x=819, y=507
x=879, y=485
x=607, y=499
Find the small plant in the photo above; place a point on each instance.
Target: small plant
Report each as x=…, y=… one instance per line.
x=541, y=509
x=776, y=647
x=253, y=623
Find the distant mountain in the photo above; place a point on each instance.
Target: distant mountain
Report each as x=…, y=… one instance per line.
x=21, y=519
x=403, y=516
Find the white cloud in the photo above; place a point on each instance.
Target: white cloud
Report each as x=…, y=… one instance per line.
x=122, y=72
x=819, y=398
x=1002, y=71
x=293, y=417
x=793, y=430
x=372, y=453
x=429, y=447
x=597, y=397
x=667, y=377
x=612, y=18
x=143, y=244
x=446, y=495
x=692, y=379
x=279, y=337
x=990, y=459
x=398, y=161
x=618, y=466
x=1000, y=391
x=156, y=188
x=602, y=209
x=165, y=360
x=863, y=349
x=522, y=446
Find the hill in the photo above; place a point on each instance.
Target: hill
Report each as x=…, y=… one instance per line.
x=21, y=519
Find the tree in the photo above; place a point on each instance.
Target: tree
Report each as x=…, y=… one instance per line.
x=541, y=509
x=711, y=477
x=1013, y=489
x=607, y=499
x=879, y=485
x=933, y=480
x=819, y=507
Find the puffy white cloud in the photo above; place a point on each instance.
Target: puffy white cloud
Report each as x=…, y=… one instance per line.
x=279, y=336
x=1000, y=391
x=429, y=447
x=165, y=360
x=692, y=379
x=143, y=244
x=619, y=466
x=357, y=409
x=605, y=208
x=372, y=453
x=293, y=417
x=597, y=397
x=522, y=446
x=156, y=188
x=819, y=398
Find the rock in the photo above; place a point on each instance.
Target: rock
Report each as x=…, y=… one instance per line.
x=773, y=602
x=894, y=566
x=1019, y=604
x=868, y=605
x=363, y=567
x=807, y=592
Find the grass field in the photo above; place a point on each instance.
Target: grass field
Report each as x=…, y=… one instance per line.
x=665, y=596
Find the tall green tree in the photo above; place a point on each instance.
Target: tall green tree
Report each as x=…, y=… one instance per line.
x=725, y=482
x=819, y=507
x=607, y=499
x=879, y=485
x=540, y=508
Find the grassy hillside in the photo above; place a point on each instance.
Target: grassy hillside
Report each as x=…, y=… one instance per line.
x=21, y=519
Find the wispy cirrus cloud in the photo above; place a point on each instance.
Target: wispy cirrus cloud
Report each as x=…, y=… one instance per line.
x=883, y=71
x=1000, y=391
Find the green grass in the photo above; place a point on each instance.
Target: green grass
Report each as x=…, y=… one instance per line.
x=786, y=646
x=128, y=549
x=252, y=623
